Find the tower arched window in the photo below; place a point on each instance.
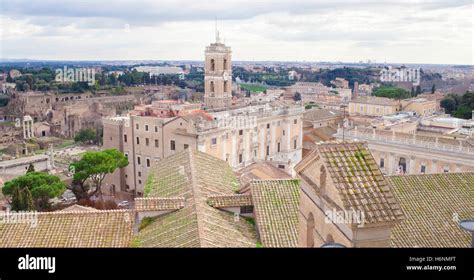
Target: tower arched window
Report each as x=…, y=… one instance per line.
x=322, y=180
x=310, y=231
x=212, y=86
x=213, y=65
x=225, y=86
x=225, y=64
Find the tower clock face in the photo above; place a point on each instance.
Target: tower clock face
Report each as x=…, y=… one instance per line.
x=225, y=76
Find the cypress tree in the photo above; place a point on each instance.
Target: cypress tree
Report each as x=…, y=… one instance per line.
x=17, y=198
x=27, y=200
x=31, y=168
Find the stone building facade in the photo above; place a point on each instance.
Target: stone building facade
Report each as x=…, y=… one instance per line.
x=373, y=106
x=412, y=153
x=238, y=135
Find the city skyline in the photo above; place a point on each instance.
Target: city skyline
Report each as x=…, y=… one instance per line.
x=348, y=31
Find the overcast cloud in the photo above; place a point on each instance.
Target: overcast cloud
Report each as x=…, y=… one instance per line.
x=391, y=31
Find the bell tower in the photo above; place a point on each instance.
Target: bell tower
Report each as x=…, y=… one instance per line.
x=217, y=76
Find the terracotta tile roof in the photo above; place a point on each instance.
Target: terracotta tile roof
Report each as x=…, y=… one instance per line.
x=355, y=174
x=234, y=200
x=159, y=203
x=433, y=204
x=276, y=204
x=196, y=176
x=98, y=228
x=260, y=171
x=78, y=208
x=321, y=114
x=198, y=115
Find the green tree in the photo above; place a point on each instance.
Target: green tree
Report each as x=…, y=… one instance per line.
x=391, y=92
x=31, y=168
x=418, y=90
x=87, y=135
x=297, y=96
x=463, y=112
x=449, y=104
x=42, y=186
x=94, y=166
x=22, y=200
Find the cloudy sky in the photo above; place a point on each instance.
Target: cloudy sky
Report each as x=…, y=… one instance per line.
x=406, y=31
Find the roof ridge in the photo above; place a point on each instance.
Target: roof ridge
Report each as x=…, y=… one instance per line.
x=274, y=180
x=431, y=174
x=196, y=196
x=95, y=211
x=159, y=197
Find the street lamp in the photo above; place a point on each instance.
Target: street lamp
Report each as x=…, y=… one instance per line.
x=468, y=225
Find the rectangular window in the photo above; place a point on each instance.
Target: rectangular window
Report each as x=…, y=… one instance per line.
x=295, y=144
x=186, y=146
x=423, y=169
x=295, y=121
x=156, y=128
x=214, y=141
x=246, y=209
x=268, y=150
x=281, y=166
x=382, y=163
x=138, y=141
x=125, y=138
x=139, y=160
x=241, y=132
x=278, y=146
x=139, y=174
x=148, y=162
x=147, y=141
x=240, y=158
x=137, y=126
x=268, y=125
x=157, y=143
x=172, y=145
x=146, y=127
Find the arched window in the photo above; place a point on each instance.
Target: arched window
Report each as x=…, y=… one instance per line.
x=225, y=64
x=213, y=65
x=310, y=231
x=322, y=180
x=212, y=86
x=225, y=86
